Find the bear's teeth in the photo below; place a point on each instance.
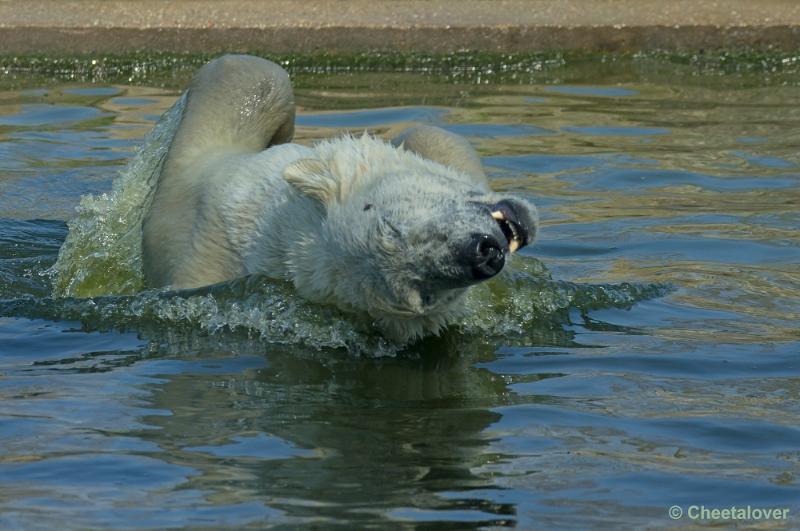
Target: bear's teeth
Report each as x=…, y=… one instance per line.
x=514, y=242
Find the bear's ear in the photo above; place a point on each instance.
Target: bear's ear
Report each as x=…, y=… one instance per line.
x=312, y=177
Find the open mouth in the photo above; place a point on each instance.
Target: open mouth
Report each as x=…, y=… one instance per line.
x=513, y=229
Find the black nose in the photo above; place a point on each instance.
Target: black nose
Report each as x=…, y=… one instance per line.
x=483, y=256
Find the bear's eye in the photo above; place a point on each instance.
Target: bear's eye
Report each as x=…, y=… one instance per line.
x=367, y=206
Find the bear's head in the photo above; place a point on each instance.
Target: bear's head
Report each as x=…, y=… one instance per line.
x=400, y=238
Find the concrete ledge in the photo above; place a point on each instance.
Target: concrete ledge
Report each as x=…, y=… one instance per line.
x=434, y=26
x=434, y=40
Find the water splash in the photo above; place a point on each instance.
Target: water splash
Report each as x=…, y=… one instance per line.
x=527, y=296
x=514, y=306
x=103, y=250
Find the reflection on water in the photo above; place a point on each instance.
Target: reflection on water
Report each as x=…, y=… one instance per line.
x=578, y=401
x=432, y=439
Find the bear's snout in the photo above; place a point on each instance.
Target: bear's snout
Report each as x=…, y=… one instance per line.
x=483, y=256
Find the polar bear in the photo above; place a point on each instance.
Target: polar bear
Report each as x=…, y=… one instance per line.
x=393, y=232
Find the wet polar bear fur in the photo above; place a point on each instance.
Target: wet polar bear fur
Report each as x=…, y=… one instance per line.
x=393, y=232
